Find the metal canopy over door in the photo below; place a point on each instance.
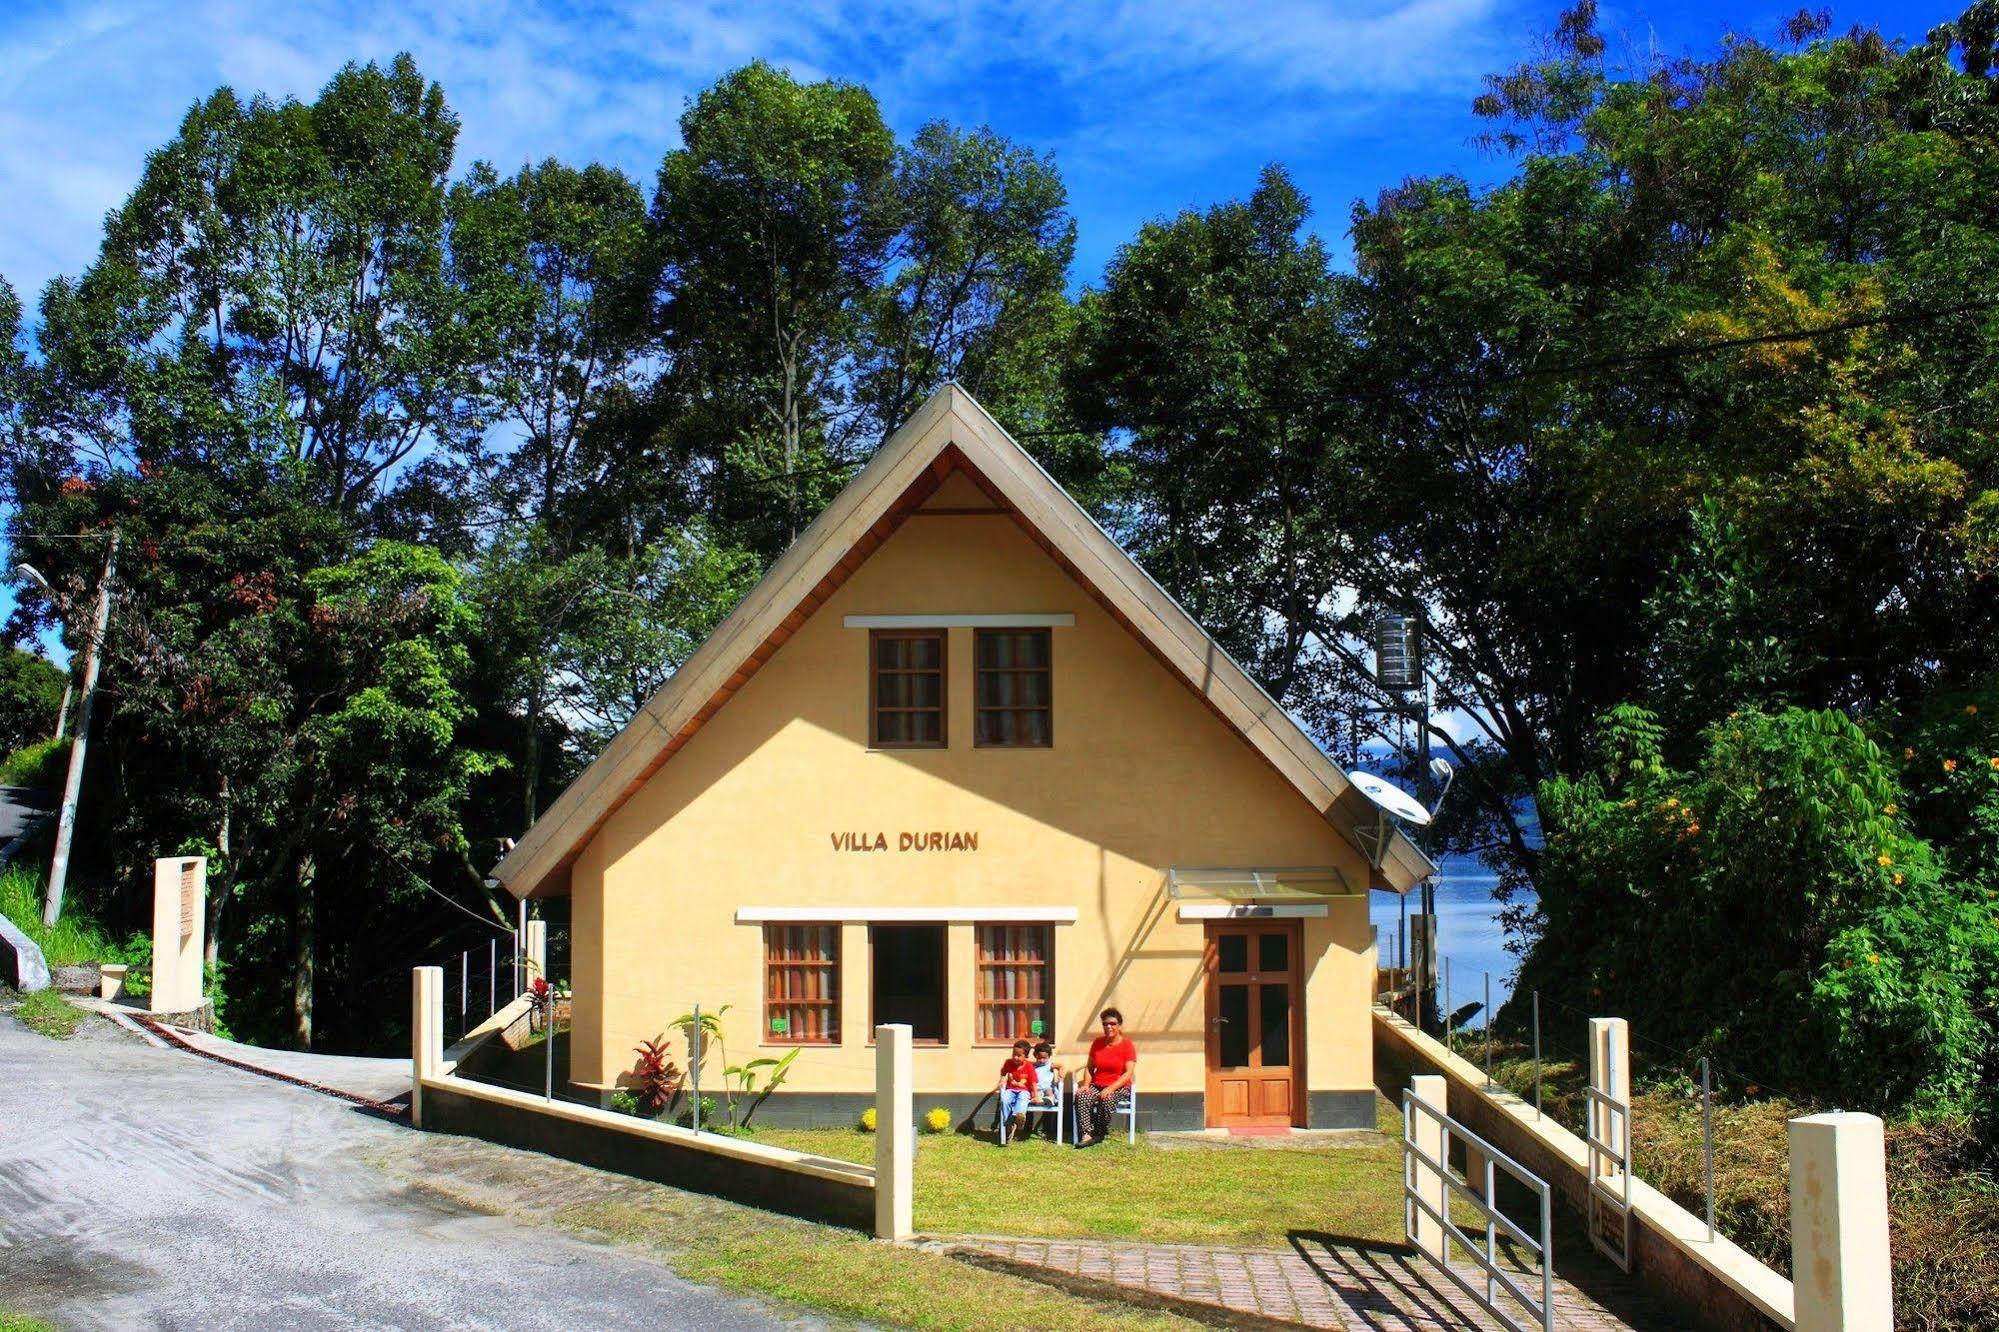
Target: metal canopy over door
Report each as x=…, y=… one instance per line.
x=1256, y=1036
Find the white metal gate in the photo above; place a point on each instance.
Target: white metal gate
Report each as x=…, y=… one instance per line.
x=1516, y=1283
x=1608, y=1132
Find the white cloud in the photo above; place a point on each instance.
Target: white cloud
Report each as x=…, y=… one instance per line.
x=1124, y=91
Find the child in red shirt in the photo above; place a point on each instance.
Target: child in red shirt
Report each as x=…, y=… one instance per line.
x=1016, y=1086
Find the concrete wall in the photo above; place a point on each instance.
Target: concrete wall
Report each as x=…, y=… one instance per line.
x=654, y=1152
x=1713, y=1282
x=1142, y=776
x=21, y=963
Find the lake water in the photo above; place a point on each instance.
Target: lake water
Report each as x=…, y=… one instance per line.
x=1468, y=929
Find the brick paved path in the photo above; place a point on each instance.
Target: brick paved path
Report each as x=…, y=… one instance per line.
x=1320, y=1282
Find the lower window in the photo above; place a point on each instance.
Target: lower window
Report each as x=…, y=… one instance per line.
x=1016, y=992
x=908, y=978
x=802, y=984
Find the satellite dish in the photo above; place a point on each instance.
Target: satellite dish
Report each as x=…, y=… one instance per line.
x=1390, y=798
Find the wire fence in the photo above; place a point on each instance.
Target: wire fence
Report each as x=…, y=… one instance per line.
x=1688, y=1109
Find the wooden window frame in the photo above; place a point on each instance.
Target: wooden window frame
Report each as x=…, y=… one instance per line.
x=771, y=932
x=978, y=710
x=943, y=979
x=943, y=637
x=981, y=964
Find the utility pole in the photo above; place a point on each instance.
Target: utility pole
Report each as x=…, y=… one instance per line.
x=66, y=821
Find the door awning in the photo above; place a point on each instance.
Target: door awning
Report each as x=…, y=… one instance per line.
x=1294, y=884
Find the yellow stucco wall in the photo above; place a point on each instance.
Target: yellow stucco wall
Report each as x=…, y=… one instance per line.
x=1141, y=777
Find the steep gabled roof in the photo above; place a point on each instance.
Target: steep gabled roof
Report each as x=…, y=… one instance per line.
x=950, y=432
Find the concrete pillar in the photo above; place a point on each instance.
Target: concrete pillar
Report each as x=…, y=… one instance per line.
x=426, y=1033
x=1839, y=1224
x=895, y=1133
x=537, y=951
x=1431, y=1141
x=1610, y=1073
x=180, y=922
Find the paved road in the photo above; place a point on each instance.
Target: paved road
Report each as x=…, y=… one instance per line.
x=151, y=1188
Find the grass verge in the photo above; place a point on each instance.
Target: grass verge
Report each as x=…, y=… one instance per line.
x=75, y=938
x=50, y=1014
x=1241, y=1196
x=10, y=1322
x=843, y=1273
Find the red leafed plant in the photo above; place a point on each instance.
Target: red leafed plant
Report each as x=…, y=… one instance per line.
x=655, y=1078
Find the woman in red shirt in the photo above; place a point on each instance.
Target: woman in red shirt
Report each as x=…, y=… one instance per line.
x=1113, y=1060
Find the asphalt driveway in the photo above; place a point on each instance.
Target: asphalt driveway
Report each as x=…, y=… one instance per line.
x=142, y=1187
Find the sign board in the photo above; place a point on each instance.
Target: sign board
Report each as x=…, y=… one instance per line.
x=180, y=890
x=190, y=897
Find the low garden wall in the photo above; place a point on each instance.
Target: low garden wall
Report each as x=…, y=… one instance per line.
x=1671, y=1254
x=815, y=1187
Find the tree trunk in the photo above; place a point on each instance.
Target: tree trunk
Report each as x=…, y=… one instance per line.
x=218, y=872
x=531, y=760
x=302, y=923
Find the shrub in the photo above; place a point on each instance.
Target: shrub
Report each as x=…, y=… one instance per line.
x=655, y=1078
x=1773, y=905
x=624, y=1102
x=868, y=1120
x=938, y=1120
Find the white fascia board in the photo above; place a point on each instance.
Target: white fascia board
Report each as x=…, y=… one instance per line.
x=1252, y=911
x=1052, y=620
x=992, y=915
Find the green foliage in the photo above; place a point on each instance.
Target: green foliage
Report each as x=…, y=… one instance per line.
x=1775, y=906
x=31, y=698
x=41, y=764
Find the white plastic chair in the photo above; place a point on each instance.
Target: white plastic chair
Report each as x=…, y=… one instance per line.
x=1127, y=1105
x=1061, y=1100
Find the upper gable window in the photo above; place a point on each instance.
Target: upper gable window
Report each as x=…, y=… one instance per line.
x=1013, y=703
x=906, y=705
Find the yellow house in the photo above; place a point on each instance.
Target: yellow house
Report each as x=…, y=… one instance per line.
x=958, y=762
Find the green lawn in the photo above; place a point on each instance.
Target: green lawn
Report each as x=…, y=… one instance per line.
x=1232, y=1195
x=844, y=1273
x=22, y=1323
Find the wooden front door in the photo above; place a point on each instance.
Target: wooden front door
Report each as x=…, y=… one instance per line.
x=1256, y=1021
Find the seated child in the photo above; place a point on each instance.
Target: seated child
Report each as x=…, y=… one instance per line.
x=1016, y=1085
x=1047, y=1076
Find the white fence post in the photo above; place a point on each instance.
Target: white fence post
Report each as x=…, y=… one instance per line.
x=537, y=950
x=895, y=1133
x=1610, y=1073
x=426, y=1033
x=1430, y=1139
x=1839, y=1224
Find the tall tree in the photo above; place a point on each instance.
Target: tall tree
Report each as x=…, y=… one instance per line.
x=974, y=292
x=554, y=263
x=774, y=219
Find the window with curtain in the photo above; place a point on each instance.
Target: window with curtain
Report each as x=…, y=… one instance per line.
x=906, y=675
x=1016, y=984
x=802, y=984
x=1013, y=689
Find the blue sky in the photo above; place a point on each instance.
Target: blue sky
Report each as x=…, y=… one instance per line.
x=1148, y=108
